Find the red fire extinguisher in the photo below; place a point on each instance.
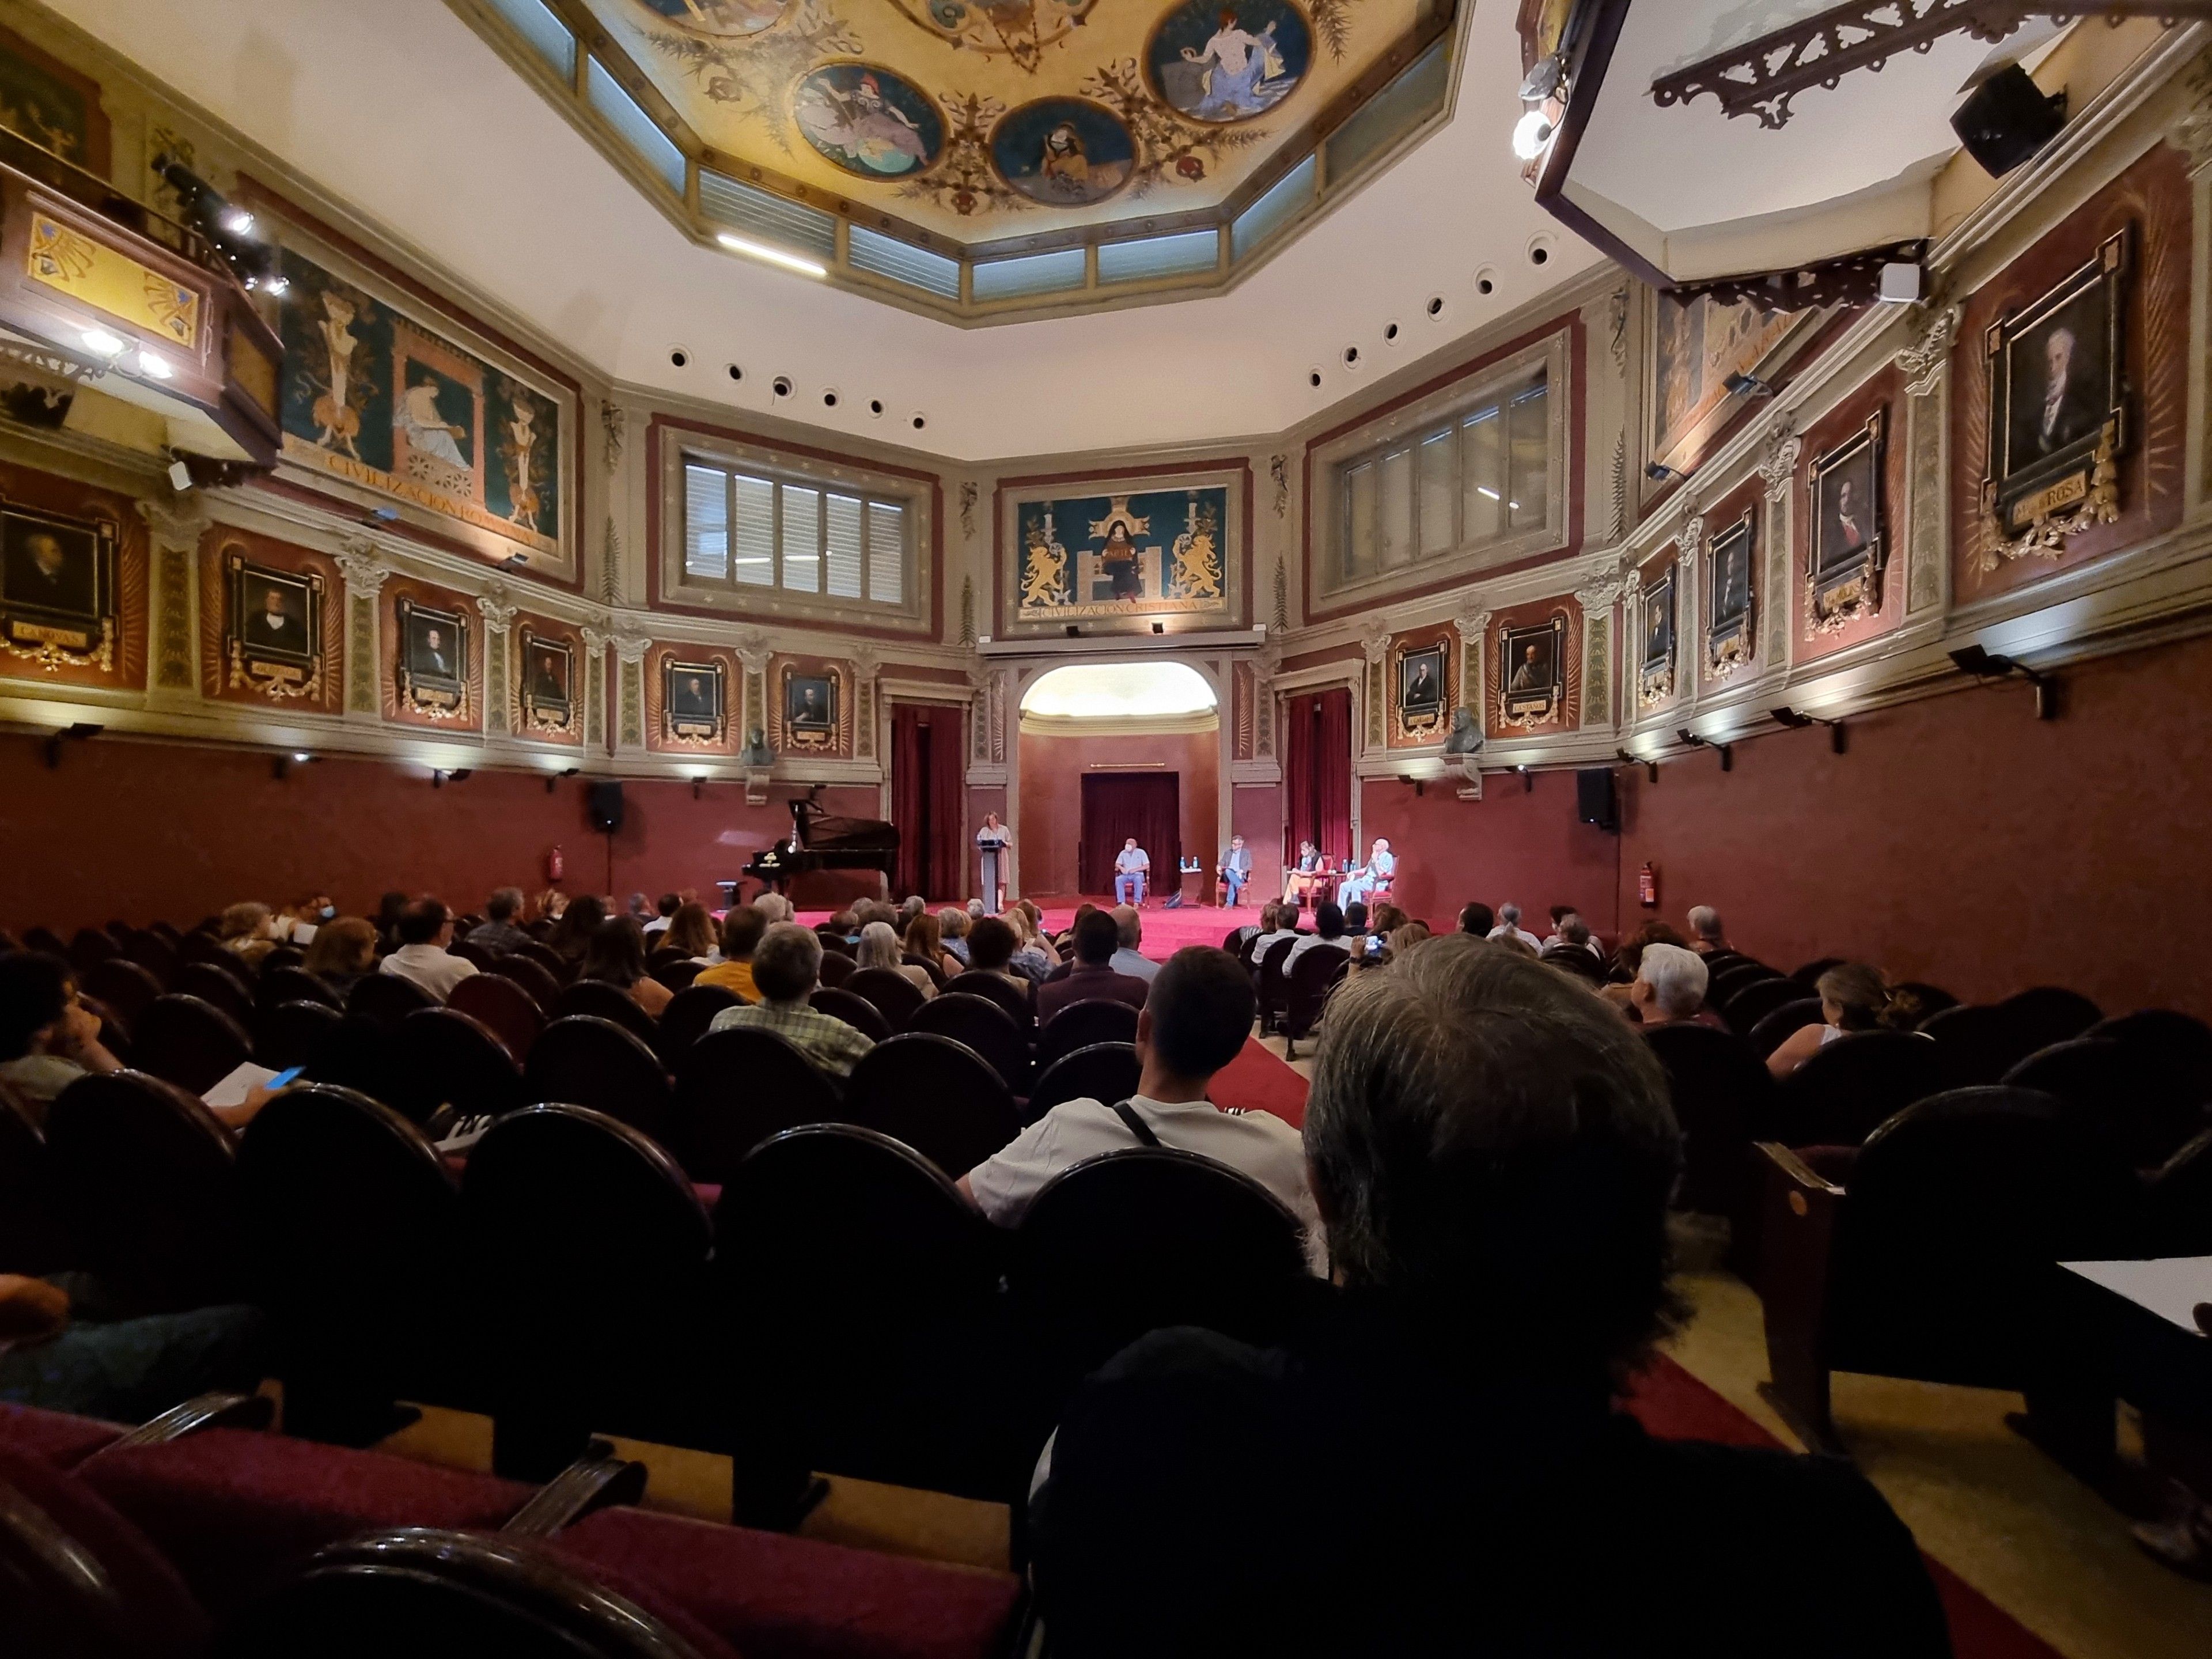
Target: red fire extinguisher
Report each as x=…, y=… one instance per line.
x=555, y=865
x=1647, y=887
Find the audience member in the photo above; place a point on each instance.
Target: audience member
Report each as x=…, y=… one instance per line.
x=1387, y=919
x=638, y=910
x=775, y=906
x=1129, y=929
x=1033, y=959
x=665, y=913
x=342, y=953
x=297, y=922
x=497, y=933
x=1669, y=987
x=572, y=935
x=1328, y=929
x=925, y=942
x=912, y=905
x=991, y=945
x=426, y=927
x=1562, y=916
x=617, y=958
x=547, y=908
x=1853, y=998
x=64, y=1349
x=48, y=1038
x=691, y=930
x=786, y=967
x=1278, y=921
x=388, y=920
x=1432, y=1463
x=1355, y=916
x=954, y=924
x=741, y=927
x=1705, y=924
x=1508, y=926
x=1571, y=951
x=1194, y=1021
x=1517, y=943
x=1092, y=975
x=1477, y=920
x=879, y=948
x=245, y=932
x=974, y=909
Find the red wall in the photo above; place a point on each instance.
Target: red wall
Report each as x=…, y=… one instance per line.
x=1052, y=769
x=140, y=831
x=1512, y=846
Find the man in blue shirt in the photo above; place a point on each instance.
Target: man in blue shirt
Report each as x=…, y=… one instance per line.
x=1130, y=865
x=1235, y=872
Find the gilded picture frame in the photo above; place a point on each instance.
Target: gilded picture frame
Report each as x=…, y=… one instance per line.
x=694, y=703
x=434, y=660
x=1532, y=672
x=58, y=586
x=272, y=629
x=1655, y=679
x=1731, y=594
x=1847, y=543
x=547, y=668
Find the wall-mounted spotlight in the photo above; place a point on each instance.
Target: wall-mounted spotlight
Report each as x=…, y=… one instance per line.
x=1659, y=472
x=1159, y=627
x=1725, y=750
x=553, y=782
x=1749, y=386
x=1073, y=631
x=440, y=777
x=1419, y=788
x=1528, y=777
x=83, y=732
x=1987, y=666
x=1651, y=767
x=1837, y=739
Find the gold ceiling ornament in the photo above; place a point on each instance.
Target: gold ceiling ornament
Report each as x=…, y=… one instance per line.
x=1169, y=149
x=964, y=180
x=754, y=75
x=1017, y=29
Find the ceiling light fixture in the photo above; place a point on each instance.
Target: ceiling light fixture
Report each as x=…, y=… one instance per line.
x=100, y=340
x=774, y=255
x=237, y=222
x=1531, y=133
x=153, y=367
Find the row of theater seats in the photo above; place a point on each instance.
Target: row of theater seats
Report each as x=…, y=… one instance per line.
x=188, y=1538
x=1290, y=997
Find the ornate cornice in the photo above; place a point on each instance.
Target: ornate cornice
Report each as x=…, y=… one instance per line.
x=362, y=563
x=632, y=648
x=1600, y=596
x=174, y=528
x=498, y=614
x=1923, y=360
x=1778, y=465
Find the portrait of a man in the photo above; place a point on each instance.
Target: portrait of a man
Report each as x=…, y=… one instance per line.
x=1659, y=622
x=435, y=649
x=2059, y=386
x=1529, y=671
x=276, y=623
x=695, y=694
x=1847, y=556
x=549, y=675
x=809, y=703
x=1421, y=683
x=50, y=569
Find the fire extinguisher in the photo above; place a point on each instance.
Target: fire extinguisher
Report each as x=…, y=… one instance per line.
x=1647, y=888
x=555, y=865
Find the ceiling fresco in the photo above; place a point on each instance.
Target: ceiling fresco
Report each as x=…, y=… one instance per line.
x=976, y=120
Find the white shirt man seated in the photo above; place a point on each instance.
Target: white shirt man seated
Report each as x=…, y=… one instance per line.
x=1277, y=923
x=1557, y=936
x=1508, y=923
x=425, y=929
x=1193, y=1022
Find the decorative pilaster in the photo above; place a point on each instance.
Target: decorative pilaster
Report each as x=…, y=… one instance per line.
x=629, y=655
x=174, y=533
x=1472, y=626
x=987, y=750
x=1375, y=645
x=595, y=641
x=866, y=667
x=1596, y=601
x=1784, y=447
x=1926, y=364
x=1265, y=666
x=753, y=654
x=499, y=619
x=361, y=563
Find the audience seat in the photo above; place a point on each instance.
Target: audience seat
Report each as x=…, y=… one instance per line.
x=895, y=996
x=1312, y=977
x=543, y=984
x=1809, y=975
x=1929, y=1000
x=35, y=1235
x=359, y=1054
x=1100, y=1071
x=1976, y=1045
x=1935, y=1260
x=507, y=1011
x=387, y=999
x=149, y=1178
x=836, y=966
x=589, y=1061
x=542, y=955
x=1082, y=1024
x=983, y=1026
x=1755, y=1001
x=352, y=1226
x=2115, y=1093
x=123, y=985
x=1850, y=1087
x=855, y=1010
x=55, y=1438
x=609, y=1002
x=2050, y=1012
x=2177, y=1048
x=1017, y=1001
x=1272, y=987
x=284, y=956
x=480, y=957
x=687, y=1016
x=1721, y=987
x=189, y=1042
x=870, y=1338
x=218, y=987
x=446, y=1058
x=936, y=974
x=278, y=985
x=1724, y=1100
x=587, y=1252
x=678, y=974
x=734, y=1090
x=2179, y=1199
x=299, y=1033
x=157, y=953
x=46, y=940
x=206, y=947
x=937, y=1096
x=89, y=948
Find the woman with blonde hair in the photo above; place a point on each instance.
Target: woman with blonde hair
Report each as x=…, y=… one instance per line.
x=245, y=932
x=1853, y=998
x=879, y=948
x=342, y=952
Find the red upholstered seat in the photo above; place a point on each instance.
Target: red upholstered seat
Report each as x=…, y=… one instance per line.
x=774, y=1596
x=56, y=1437
x=237, y=1511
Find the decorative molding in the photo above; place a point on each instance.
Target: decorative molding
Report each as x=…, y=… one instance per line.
x=614, y=424
x=970, y=490
x=1778, y=465
x=498, y=614
x=179, y=527
x=2191, y=132
x=363, y=565
x=1374, y=638
x=631, y=648
x=596, y=639
x=1617, y=327
x=967, y=612
x=1279, y=474
x=1282, y=595
x=754, y=652
x=1925, y=358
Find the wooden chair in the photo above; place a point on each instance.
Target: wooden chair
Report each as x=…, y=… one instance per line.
x=982, y=1025
x=837, y=967
x=295, y=985
x=857, y=1012
x=218, y=987
x=734, y=1089
x=583, y=1061
x=147, y=1176
x=387, y=999
x=937, y=1096
x=1104, y=1071
x=1851, y=1086
x=1723, y=1101
x=1082, y=1024
x=603, y=1001
x=288, y=1034
x=574, y=1222
x=896, y=997
x=191, y=1043
x=687, y=1016
x=532, y=976
x=330, y=1181
x=446, y=1058
x=507, y=1011
x=123, y=984
x=1018, y=1002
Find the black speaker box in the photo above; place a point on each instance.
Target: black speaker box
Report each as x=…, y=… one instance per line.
x=606, y=806
x=2008, y=119
x=1593, y=799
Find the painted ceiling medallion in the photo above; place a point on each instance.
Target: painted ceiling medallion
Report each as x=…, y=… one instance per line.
x=1019, y=29
x=1229, y=60
x=868, y=120
x=1064, y=152
x=718, y=16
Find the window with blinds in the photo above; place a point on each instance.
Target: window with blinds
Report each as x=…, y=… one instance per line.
x=754, y=530
x=1477, y=474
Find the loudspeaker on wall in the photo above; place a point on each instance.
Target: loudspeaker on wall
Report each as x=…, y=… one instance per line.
x=606, y=806
x=1594, y=798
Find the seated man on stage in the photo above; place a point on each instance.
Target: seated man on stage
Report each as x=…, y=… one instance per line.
x=1373, y=879
x=1303, y=876
x=1235, y=872
x=1131, y=865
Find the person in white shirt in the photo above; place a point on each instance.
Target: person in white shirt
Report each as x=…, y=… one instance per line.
x=1129, y=927
x=426, y=928
x=669, y=905
x=1193, y=1022
x=1130, y=865
x=1278, y=923
x=1509, y=922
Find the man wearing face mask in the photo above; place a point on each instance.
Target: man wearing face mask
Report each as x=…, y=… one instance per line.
x=298, y=921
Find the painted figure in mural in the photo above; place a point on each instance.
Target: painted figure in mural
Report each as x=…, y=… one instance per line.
x=522, y=443
x=859, y=126
x=1118, y=559
x=1044, y=570
x=339, y=421
x=1064, y=166
x=1240, y=67
x=720, y=16
x=1197, y=569
x=426, y=428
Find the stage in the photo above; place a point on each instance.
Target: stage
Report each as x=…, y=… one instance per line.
x=1166, y=932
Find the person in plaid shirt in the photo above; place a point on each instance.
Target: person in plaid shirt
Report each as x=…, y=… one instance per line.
x=786, y=964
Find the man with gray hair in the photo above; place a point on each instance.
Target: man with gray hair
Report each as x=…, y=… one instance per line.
x=1432, y=1462
x=953, y=926
x=775, y=906
x=1508, y=927
x=787, y=965
x=497, y=933
x=1128, y=959
x=1669, y=987
x=1707, y=936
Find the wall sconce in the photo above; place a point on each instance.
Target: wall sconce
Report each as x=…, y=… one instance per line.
x=1725, y=750
x=1651, y=767
x=553, y=782
x=83, y=732
x=1837, y=739
x=1987, y=666
x=1528, y=778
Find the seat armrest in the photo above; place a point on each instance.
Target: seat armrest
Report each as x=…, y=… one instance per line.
x=206, y=1411
x=1798, y=1213
x=597, y=1480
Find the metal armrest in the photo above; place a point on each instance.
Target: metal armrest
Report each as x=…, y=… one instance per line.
x=206, y=1411
x=597, y=1480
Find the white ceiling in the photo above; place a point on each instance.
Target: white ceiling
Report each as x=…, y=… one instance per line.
x=399, y=109
x=1119, y=690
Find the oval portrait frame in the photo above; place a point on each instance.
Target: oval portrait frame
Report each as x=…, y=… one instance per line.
x=998, y=127
x=1151, y=75
x=883, y=71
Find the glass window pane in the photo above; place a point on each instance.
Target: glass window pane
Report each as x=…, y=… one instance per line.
x=1525, y=501
x=1436, y=490
x=842, y=548
x=1397, y=507
x=1360, y=521
x=886, y=553
x=753, y=547
x=802, y=539
x=706, y=522
x=1482, y=472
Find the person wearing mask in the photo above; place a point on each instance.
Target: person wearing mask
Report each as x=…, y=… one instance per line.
x=616, y=957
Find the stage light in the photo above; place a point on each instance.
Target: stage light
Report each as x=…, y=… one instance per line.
x=1984, y=664
x=1659, y=472
x=1797, y=722
x=153, y=367
x=1531, y=133
x=100, y=340
x=1726, y=751
x=1749, y=386
x=279, y=285
x=237, y=222
x=774, y=255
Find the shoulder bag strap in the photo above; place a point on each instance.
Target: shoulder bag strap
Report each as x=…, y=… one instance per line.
x=1135, y=1125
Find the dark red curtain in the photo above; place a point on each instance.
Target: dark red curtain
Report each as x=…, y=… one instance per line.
x=1119, y=805
x=1317, y=772
x=1300, y=821
x=928, y=786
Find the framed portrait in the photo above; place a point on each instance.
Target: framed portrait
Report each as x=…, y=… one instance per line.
x=693, y=699
x=57, y=586
x=1655, y=681
x=1846, y=548
x=810, y=710
x=549, y=683
x=434, y=660
x=1730, y=552
x=1423, y=673
x=273, y=627
x=1532, y=672
x=2058, y=413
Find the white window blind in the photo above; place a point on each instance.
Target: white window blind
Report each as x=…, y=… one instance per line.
x=750, y=530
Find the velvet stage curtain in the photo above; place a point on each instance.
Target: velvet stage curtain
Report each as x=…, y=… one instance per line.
x=1300, y=821
x=1317, y=773
x=1119, y=805
x=928, y=786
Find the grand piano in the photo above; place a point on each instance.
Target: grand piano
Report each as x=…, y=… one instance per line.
x=821, y=839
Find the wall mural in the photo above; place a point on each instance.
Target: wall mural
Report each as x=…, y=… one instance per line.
x=1696, y=345
x=51, y=105
x=1149, y=553
x=379, y=399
